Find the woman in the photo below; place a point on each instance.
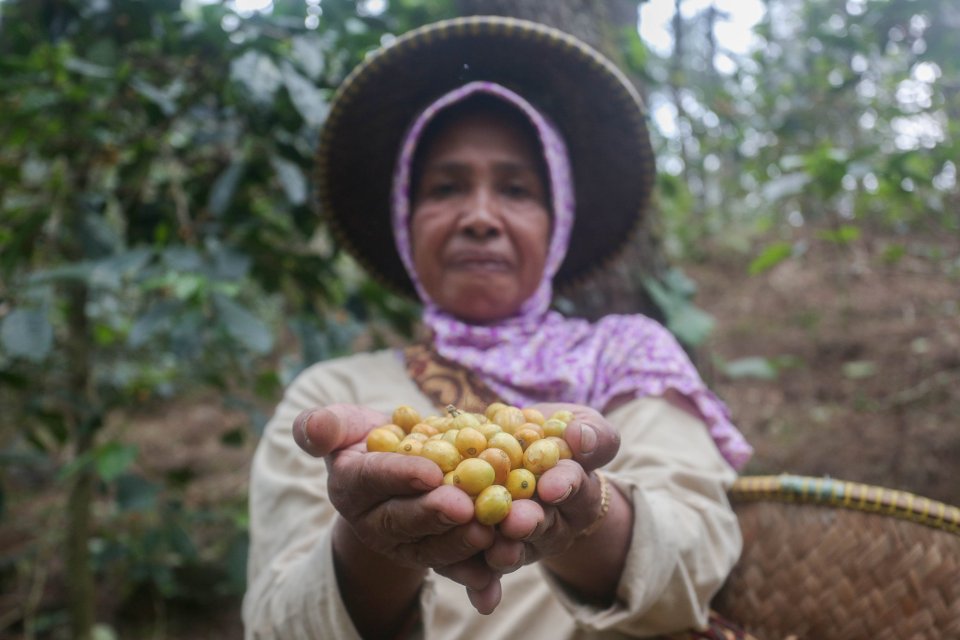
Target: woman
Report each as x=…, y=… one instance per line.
x=486, y=216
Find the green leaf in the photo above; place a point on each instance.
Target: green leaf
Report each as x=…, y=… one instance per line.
x=112, y=459
x=187, y=285
x=136, y=493
x=307, y=51
x=752, y=367
x=88, y=69
x=789, y=184
x=236, y=561
x=165, y=99
x=859, y=369
x=229, y=263
x=688, y=323
x=159, y=316
x=773, y=255
x=28, y=334
x=893, y=253
x=243, y=326
x=292, y=180
x=221, y=194
x=258, y=74
x=842, y=236
x=308, y=99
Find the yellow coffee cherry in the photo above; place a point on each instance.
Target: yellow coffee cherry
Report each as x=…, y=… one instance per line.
x=473, y=475
x=410, y=446
x=405, y=417
x=396, y=429
x=510, y=418
x=422, y=437
x=492, y=409
x=465, y=421
x=566, y=453
x=470, y=442
x=424, y=428
x=521, y=484
x=492, y=505
x=533, y=415
x=540, y=456
x=448, y=478
x=450, y=435
x=554, y=427
x=500, y=462
x=563, y=415
x=527, y=436
x=381, y=439
x=442, y=452
x=488, y=429
x=440, y=423
x=510, y=445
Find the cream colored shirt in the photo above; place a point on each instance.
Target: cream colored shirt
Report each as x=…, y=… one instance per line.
x=685, y=536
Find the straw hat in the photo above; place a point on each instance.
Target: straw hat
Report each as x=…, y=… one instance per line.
x=596, y=109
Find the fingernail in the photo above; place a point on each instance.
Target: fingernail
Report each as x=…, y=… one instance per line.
x=588, y=438
x=566, y=494
x=444, y=519
x=421, y=485
x=301, y=424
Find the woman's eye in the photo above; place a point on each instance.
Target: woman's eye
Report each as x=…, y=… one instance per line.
x=441, y=189
x=517, y=190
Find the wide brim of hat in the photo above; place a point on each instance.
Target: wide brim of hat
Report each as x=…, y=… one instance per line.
x=594, y=106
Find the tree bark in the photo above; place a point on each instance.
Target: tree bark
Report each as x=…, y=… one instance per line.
x=78, y=566
x=599, y=23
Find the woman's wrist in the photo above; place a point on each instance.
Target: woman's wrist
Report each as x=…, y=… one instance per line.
x=372, y=581
x=593, y=564
x=602, y=508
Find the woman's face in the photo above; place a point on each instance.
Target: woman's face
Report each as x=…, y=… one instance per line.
x=480, y=227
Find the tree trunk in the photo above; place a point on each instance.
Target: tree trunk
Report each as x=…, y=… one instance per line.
x=78, y=567
x=621, y=288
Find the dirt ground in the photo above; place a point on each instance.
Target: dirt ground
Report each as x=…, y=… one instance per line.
x=867, y=339
x=864, y=343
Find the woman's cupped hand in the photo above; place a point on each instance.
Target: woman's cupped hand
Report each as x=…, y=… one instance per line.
x=398, y=506
x=568, y=495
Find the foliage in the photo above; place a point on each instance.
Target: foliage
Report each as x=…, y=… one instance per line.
x=840, y=114
x=157, y=231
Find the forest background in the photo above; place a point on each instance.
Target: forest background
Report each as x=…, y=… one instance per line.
x=163, y=274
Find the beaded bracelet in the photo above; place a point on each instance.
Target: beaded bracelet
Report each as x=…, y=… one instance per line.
x=604, y=506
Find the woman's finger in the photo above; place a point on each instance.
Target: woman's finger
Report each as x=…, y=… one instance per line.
x=593, y=441
x=359, y=482
x=523, y=521
x=472, y=572
x=443, y=550
x=572, y=492
x=486, y=599
x=505, y=555
x=325, y=430
x=413, y=518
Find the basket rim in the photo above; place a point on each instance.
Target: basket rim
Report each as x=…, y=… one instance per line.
x=855, y=496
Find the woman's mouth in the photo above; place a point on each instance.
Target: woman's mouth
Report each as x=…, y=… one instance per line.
x=479, y=262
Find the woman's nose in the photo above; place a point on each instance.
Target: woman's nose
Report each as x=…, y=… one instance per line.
x=480, y=218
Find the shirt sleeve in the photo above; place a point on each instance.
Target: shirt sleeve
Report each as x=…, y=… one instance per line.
x=685, y=537
x=292, y=587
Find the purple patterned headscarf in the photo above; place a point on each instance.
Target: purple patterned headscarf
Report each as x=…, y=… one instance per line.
x=538, y=355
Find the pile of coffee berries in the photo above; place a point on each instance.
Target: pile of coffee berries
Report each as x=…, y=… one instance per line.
x=496, y=456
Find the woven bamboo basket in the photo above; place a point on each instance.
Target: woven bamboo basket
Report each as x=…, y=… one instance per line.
x=829, y=559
